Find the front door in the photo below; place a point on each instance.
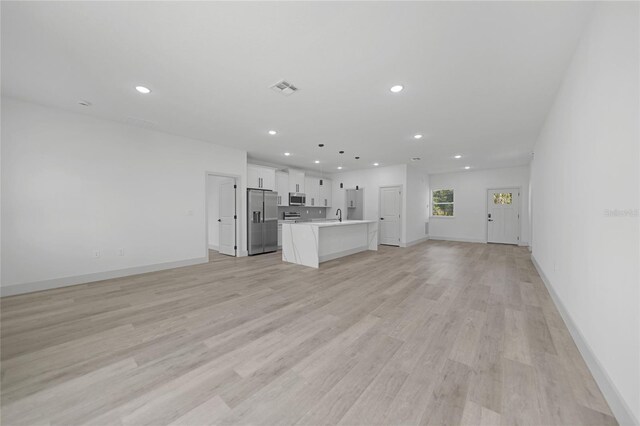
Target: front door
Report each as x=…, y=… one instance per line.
x=390, y=201
x=503, y=215
x=226, y=218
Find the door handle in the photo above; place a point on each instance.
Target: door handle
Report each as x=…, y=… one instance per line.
x=219, y=220
x=490, y=220
x=382, y=218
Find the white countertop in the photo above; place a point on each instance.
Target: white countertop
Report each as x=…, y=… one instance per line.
x=333, y=223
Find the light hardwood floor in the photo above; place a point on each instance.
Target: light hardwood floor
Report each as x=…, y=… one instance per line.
x=439, y=333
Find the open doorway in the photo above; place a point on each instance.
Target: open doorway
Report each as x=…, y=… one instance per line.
x=221, y=216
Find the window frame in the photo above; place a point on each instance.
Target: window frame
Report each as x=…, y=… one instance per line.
x=452, y=203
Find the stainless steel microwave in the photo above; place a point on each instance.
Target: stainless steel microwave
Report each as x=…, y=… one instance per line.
x=297, y=199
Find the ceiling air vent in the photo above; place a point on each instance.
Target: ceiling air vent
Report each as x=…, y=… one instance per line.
x=284, y=87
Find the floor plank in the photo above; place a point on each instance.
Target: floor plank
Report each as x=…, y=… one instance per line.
x=438, y=333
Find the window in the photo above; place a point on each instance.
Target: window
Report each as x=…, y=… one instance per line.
x=442, y=202
x=502, y=198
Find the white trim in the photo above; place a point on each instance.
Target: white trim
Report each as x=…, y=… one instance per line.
x=12, y=290
x=238, y=206
x=461, y=240
x=400, y=222
x=212, y=247
x=618, y=405
x=414, y=242
x=486, y=208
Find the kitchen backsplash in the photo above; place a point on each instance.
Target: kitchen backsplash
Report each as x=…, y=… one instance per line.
x=305, y=212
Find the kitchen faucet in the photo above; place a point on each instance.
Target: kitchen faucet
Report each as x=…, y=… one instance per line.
x=339, y=212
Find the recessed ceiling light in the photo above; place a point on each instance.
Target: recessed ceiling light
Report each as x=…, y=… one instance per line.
x=317, y=161
x=143, y=90
x=416, y=159
x=287, y=154
x=397, y=88
x=84, y=103
x=272, y=132
x=457, y=156
x=339, y=167
x=376, y=164
x=418, y=136
x=467, y=167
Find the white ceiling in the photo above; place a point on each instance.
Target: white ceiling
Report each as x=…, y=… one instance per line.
x=479, y=77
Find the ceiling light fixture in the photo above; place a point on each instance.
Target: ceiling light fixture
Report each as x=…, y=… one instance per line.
x=317, y=161
x=273, y=132
x=339, y=167
x=143, y=90
x=376, y=164
x=84, y=103
x=287, y=154
x=467, y=167
x=416, y=159
x=457, y=156
x=418, y=136
x=397, y=88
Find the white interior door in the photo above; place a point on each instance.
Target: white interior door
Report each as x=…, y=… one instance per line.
x=390, y=203
x=226, y=219
x=503, y=215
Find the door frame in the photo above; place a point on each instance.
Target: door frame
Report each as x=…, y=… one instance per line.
x=400, y=221
x=238, y=208
x=486, y=211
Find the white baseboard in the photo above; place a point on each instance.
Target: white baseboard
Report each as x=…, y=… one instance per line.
x=212, y=247
x=618, y=406
x=414, y=242
x=461, y=240
x=12, y=290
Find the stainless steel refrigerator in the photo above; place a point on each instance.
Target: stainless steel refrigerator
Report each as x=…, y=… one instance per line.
x=262, y=223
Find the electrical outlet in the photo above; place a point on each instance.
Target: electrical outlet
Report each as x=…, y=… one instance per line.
x=96, y=253
x=120, y=252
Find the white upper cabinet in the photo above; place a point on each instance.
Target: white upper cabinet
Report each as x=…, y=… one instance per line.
x=282, y=188
x=312, y=190
x=296, y=182
x=260, y=177
x=325, y=193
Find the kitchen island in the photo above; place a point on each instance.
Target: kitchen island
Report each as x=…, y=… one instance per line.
x=311, y=243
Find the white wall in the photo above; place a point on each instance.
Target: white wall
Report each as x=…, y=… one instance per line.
x=414, y=183
x=213, y=209
x=587, y=161
x=469, y=221
x=73, y=184
x=417, y=204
